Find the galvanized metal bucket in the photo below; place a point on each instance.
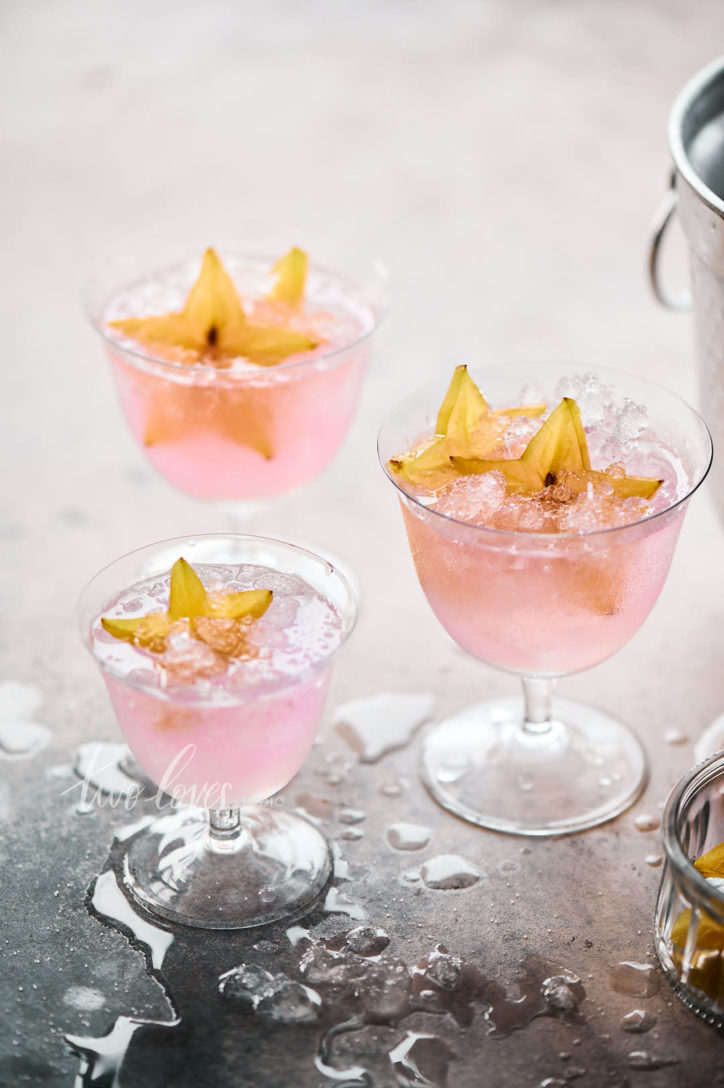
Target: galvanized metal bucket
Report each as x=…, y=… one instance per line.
x=696, y=195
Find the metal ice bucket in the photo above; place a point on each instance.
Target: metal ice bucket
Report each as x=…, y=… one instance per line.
x=696, y=195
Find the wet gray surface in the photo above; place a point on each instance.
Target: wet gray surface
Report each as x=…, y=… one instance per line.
x=506, y=160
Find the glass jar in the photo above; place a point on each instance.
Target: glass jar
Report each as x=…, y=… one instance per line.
x=689, y=924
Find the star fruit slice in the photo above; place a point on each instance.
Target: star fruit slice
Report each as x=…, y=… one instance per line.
x=465, y=425
x=291, y=277
x=559, y=446
x=213, y=324
x=188, y=599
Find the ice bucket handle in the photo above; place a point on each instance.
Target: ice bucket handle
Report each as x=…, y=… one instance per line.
x=664, y=212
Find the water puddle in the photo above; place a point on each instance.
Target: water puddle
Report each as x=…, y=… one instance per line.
x=107, y=769
x=404, y=836
x=634, y=979
x=21, y=736
x=382, y=723
x=102, y=1057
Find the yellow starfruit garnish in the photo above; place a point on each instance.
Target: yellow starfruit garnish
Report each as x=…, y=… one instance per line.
x=176, y=412
x=291, y=277
x=560, y=446
x=214, y=619
x=706, y=968
x=711, y=863
x=213, y=325
x=465, y=426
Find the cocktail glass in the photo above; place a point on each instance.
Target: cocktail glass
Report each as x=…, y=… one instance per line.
x=240, y=437
x=543, y=605
x=233, y=857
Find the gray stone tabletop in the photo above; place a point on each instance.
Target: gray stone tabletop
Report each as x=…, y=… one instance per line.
x=505, y=158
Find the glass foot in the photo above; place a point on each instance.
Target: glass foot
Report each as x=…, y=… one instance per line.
x=275, y=867
x=585, y=769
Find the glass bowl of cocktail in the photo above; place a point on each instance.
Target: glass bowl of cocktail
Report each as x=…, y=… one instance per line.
x=238, y=360
x=542, y=516
x=217, y=654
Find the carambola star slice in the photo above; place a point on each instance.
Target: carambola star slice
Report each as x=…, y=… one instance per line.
x=465, y=426
x=213, y=325
x=213, y=619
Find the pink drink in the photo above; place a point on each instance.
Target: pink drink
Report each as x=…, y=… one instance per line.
x=217, y=731
x=246, y=431
x=545, y=607
x=541, y=586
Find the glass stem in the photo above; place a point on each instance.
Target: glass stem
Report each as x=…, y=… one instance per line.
x=537, y=696
x=224, y=825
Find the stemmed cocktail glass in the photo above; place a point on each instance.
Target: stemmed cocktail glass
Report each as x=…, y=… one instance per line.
x=218, y=736
x=543, y=605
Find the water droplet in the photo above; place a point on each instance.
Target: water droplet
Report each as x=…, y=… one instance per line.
x=319, y=808
x=562, y=993
x=352, y=816
x=295, y=934
x=352, y=834
x=338, y=903
x=654, y=860
x=367, y=941
x=381, y=723
x=641, y=1059
x=444, y=970
x=638, y=1021
x=267, y=895
x=404, y=836
x=391, y=789
x=273, y=997
x=449, y=871
x=634, y=979
x=525, y=783
x=646, y=822
x=508, y=866
x=675, y=736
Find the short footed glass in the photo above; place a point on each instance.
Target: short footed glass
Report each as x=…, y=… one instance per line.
x=232, y=858
x=540, y=605
x=240, y=437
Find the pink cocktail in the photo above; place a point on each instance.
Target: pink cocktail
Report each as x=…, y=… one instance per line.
x=221, y=714
x=543, y=586
x=241, y=431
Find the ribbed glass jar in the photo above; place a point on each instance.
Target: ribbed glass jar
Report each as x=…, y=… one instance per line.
x=689, y=924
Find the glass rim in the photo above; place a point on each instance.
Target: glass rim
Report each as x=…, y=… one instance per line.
x=379, y=312
x=255, y=691
x=531, y=535
x=680, y=797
